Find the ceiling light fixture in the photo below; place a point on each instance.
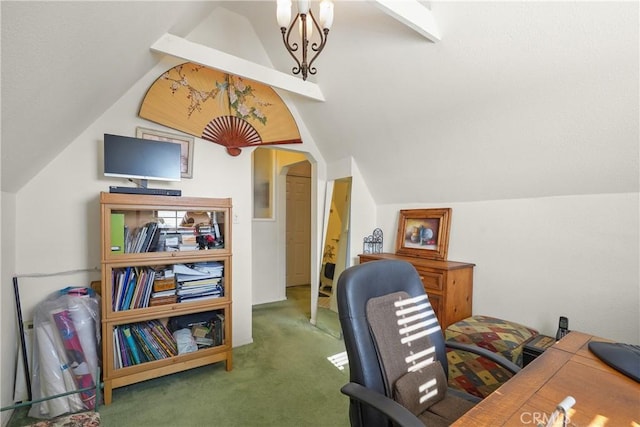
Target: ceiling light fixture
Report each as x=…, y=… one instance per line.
x=305, y=21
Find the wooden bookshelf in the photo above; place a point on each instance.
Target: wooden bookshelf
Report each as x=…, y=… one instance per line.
x=185, y=232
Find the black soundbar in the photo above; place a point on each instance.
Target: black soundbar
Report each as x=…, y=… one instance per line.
x=147, y=191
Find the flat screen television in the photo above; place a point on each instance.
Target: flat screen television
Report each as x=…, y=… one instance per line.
x=138, y=158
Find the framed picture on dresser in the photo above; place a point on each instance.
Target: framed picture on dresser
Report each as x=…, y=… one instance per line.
x=424, y=233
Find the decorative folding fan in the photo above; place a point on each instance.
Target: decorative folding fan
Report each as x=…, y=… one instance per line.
x=220, y=108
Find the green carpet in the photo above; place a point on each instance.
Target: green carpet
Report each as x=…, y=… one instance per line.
x=282, y=379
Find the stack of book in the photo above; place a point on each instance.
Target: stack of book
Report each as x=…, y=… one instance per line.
x=142, y=342
x=199, y=281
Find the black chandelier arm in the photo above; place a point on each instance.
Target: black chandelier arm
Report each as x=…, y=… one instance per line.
x=291, y=47
x=318, y=48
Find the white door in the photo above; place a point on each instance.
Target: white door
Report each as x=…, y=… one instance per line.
x=298, y=230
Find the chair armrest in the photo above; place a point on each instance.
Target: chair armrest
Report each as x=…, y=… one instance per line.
x=494, y=357
x=389, y=407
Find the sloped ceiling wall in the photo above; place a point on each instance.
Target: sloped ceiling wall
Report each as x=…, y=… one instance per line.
x=518, y=99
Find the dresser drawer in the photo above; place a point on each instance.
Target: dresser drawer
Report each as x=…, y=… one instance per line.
x=431, y=279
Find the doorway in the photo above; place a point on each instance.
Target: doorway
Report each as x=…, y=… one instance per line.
x=335, y=243
x=298, y=225
x=283, y=262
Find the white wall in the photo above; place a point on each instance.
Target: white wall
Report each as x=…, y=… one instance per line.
x=363, y=214
x=8, y=331
x=538, y=259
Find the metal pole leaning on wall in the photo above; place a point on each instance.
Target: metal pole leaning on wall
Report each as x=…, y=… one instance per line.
x=23, y=345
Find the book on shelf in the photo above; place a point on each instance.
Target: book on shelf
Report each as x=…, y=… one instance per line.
x=202, y=297
x=215, y=268
x=216, y=227
x=143, y=288
x=161, y=294
x=146, y=355
x=199, y=289
x=131, y=344
x=142, y=342
x=147, y=336
x=142, y=239
x=153, y=235
x=119, y=280
x=163, y=336
x=189, y=239
x=148, y=288
x=137, y=289
x=193, y=282
x=130, y=287
x=183, y=247
x=146, y=343
x=117, y=354
x=125, y=354
x=195, y=293
x=218, y=329
x=199, y=270
x=156, y=301
x=163, y=284
x=203, y=335
x=140, y=236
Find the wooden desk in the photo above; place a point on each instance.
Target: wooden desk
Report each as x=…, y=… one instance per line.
x=604, y=397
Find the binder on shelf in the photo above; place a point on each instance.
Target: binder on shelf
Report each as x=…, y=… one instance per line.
x=129, y=290
x=117, y=233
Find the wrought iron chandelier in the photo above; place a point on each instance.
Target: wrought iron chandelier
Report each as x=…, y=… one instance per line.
x=305, y=21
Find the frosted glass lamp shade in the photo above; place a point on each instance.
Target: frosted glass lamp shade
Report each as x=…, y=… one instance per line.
x=326, y=14
x=283, y=13
x=303, y=6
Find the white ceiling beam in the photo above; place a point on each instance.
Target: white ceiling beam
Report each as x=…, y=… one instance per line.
x=213, y=58
x=413, y=14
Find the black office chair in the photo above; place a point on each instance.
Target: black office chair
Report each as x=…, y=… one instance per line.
x=396, y=350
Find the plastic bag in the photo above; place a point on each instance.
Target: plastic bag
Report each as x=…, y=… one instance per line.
x=66, y=353
x=185, y=341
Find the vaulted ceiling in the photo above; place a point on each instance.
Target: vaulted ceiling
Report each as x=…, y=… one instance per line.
x=517, y=99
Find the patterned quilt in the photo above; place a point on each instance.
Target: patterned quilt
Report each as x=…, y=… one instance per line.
x=475, y=374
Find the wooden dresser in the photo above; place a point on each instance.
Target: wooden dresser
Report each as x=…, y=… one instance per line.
x=449, y=285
